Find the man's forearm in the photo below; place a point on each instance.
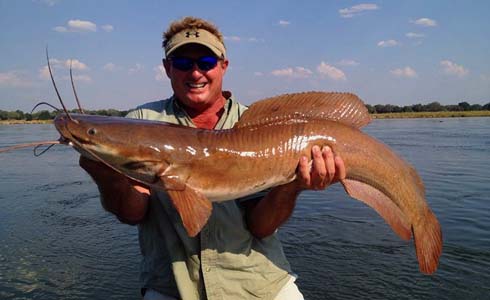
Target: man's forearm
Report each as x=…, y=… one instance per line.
x=127, y=203
x=273, y=210
x=118, y=195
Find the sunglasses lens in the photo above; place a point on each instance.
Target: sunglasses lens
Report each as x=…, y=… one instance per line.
x=204, y=63
x=207, y=63
x=182, y=63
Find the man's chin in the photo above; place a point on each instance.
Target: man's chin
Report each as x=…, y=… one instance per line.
x=194, y=101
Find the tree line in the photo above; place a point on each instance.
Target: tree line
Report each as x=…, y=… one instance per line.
x=50, y=115
x=431, y=107
x=378, y=108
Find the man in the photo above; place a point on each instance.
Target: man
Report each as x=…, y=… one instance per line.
x=237, y=254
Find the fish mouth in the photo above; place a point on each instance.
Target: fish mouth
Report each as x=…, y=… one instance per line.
x=82, y=141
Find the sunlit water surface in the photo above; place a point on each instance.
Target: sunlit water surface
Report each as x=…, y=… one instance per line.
x=56, y=242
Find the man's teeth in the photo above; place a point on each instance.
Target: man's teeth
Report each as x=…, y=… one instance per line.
x=196, y=85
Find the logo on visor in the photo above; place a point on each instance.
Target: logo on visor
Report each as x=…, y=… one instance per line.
x=192, y=33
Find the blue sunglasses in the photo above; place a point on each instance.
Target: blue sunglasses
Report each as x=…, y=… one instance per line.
x=204, y=63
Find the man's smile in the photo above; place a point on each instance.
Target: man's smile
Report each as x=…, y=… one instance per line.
x=196, y=85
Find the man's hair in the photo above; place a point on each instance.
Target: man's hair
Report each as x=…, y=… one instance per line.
x=190, y=23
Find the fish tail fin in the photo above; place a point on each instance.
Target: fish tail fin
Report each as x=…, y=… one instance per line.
x=428, y=242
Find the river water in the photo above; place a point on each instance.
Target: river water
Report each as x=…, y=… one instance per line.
x=56, y=242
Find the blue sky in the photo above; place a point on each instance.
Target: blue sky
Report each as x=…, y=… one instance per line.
x=397, y=52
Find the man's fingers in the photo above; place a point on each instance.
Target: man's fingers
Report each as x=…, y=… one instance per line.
x=142, y=189
x=304, y=171
x=319, y=170
x=326, y=168
x=340, y=166
x=330, y=165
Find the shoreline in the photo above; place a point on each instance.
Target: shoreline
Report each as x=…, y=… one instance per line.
x=401, y=115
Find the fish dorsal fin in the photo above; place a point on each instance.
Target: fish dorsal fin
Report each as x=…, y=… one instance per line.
x=381, y=204
x=346, y=108
x=193, y=207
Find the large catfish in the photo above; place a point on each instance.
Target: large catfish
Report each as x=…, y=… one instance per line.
x=197, y=167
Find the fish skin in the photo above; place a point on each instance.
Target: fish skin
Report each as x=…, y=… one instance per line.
x=196, y=166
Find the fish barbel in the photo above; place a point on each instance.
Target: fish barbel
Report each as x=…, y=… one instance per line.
x=197, y=166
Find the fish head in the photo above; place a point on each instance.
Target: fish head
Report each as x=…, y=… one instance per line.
x=126, y=145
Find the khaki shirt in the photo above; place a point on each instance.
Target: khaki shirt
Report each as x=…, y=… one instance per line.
x=224, y=261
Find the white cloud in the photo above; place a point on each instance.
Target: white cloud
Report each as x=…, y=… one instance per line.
x=107, y=28
x=301, y=72
x=160, y=73
x=388, y=43
x=404, y=72
x=137, y=67
x=44, y=73
x=258, y=74
x=348, y=62
x=60, y=29
x=109, y=67
x=65, y=65
x=84, y=78
x=233, y=38
x=284, y=23
x=425, y=22
x=254, y=40
x=77, y=26
x=283, y=72
x=297, y=72
x=331, y=72
x=357, y=10
x=80, y=25
x=452, y=68
x=75, y=64
x=414, y=35
x=14, y=79
x=47, y=2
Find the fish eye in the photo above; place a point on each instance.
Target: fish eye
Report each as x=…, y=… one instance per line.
x=91, y=131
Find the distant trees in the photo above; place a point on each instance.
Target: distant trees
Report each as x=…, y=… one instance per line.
x=12, y=115
x=430, y=107
x=378, y=108
x=49, y=115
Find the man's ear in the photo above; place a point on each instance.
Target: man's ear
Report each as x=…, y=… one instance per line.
x=224, y=64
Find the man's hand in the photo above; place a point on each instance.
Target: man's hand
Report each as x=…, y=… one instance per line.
x=326, y=169
x=127, y=199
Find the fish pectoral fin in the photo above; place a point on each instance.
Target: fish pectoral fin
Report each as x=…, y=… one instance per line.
x=193, y=207
x=382, y=204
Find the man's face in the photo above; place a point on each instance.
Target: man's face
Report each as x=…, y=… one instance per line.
x=196, y=89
